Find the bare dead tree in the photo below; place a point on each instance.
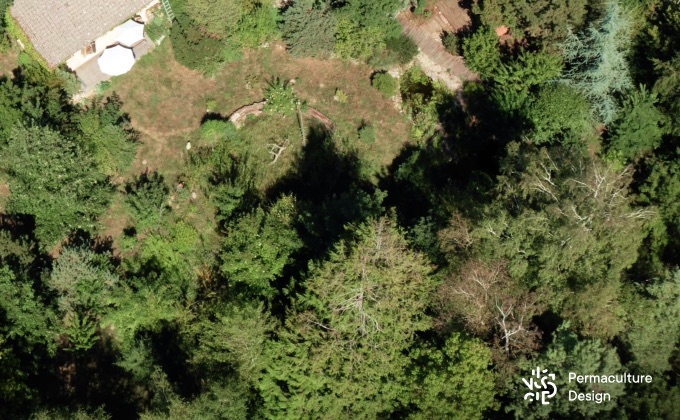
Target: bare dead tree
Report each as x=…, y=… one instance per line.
x=491, y=305
x=276, y=150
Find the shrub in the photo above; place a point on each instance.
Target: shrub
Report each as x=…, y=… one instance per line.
x=341, y=96
x=146, y=197
x=451, y=44
x=212, y=131
x=367, y=134
x=210, y=104
x=102, y=87
x=385, y=83
x=280, y=97
x=421, y=9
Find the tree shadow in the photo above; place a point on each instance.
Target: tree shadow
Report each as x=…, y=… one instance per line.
x=455, y=170
x=331, y=194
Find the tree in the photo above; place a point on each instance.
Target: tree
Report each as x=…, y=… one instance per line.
x=308, y=27
x=220, y=17
x=259, y=246
x=342, y=351
x=510, y=77
x=84, y=285
x=352, y=40
x=27, y=332
x=641, y=130
x=566, y=227
x=490, y=303
x=233, y=340
x=105, y=134
x=147, y=198
x=53, y=179
x=596, y=62
x=547, y=20
x=454, y=382
x=655, y=331
x=559, y=114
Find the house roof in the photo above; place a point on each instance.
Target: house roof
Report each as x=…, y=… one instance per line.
x=59, y=28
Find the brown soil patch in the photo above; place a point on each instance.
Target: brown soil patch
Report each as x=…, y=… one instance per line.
x=167, y=101
x=8, y=62
x=439, y=64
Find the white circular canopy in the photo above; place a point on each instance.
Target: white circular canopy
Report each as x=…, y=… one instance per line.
x=116, y=60
x=130, y=33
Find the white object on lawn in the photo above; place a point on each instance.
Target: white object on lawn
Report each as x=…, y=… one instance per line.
x=116, y=60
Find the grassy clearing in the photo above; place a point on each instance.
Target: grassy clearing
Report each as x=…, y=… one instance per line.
x=167, y=102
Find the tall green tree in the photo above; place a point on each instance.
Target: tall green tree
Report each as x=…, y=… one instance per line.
x=655, y=331
x=641, y=129
x=259, y=246
x=597, y=62
x=84, y=284
x=567, y=354
x=55, y=180
x=342, y=351
x=454, y=382
x=308, y=27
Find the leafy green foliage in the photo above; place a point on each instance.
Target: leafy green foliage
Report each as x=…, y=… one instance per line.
x=451, y=43
x=547, y=20
x=596, y=62
x=53, y=179
x=458, y=374
x=655, y=332
x=280, y=97
x=259, y=246
x=559, y=114
x=360, y=312
x=308, y=27
x=367, y=134
x=640, y=131
x=424, y=99
x=106, y=135
x=569, y=354
x=234, y=340
x=147, y=198
x=511, y=77
x=208, y=34
x=385, y=83
x=288, y=290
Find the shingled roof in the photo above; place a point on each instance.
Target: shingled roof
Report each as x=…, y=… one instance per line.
x=59, y=28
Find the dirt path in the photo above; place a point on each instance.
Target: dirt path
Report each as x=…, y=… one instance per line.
x=437, y=63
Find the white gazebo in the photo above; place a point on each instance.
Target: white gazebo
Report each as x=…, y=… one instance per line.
x=130, y=33
x=116, y=60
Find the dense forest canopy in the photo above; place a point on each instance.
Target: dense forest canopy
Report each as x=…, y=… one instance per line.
x=301, y=262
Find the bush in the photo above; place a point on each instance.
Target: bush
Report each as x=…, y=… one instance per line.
x=280, y=97
x=102, y=87
x=451, y=44
x=146, y=197
x=159, y=27
x=399, y=49
x=421, y=9
x=385, y=83
x=367, y=134
x=212, y=131
x=341, y=96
